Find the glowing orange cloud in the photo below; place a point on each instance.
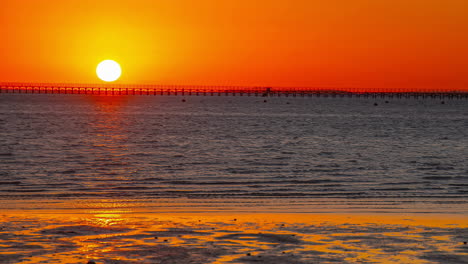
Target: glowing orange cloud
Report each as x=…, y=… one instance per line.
x=360, y=43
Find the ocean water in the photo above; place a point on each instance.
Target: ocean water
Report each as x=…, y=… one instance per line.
x=216, y=153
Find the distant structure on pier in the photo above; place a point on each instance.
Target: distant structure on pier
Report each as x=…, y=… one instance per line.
x=202, y=90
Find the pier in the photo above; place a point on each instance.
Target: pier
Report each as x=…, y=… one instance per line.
x=202, y=90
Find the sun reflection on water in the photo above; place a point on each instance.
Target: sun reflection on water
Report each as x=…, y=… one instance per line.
x=108, y=151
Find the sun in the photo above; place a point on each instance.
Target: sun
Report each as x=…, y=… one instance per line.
x=108, y=71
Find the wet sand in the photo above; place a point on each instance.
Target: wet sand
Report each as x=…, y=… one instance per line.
x=115, y=236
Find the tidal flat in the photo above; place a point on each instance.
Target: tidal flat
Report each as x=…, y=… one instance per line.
x=114, y=236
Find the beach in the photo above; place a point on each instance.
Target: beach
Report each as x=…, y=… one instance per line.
x=116, y=236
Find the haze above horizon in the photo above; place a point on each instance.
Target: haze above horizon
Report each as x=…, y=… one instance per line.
x=360, y=44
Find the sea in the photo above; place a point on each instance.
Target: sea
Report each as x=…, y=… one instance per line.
x=233, y=153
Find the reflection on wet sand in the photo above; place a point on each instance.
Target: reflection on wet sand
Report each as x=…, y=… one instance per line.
x=118, y=237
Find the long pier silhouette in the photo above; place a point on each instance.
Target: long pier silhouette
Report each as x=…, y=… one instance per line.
x=206, y=90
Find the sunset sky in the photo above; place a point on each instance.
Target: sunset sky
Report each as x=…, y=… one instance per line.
x=324, y=43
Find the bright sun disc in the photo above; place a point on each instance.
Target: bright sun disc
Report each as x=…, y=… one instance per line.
x=108, y=71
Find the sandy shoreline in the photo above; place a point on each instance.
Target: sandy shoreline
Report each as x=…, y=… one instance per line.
x=114, y=236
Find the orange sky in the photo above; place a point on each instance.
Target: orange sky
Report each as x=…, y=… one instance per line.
x=326, y=43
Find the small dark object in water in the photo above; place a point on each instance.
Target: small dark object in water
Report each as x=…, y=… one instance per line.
x=287, y=102
x=386, y=102
x=442, y=102
x=91, y=262
x=284, y=252
x=264, y=101
x=282, y=224
x=183, y=100
x=464, y=242
x=155, y=237
x=235, y=219
x=376, y=104
x=165, y=240
x=248, y=254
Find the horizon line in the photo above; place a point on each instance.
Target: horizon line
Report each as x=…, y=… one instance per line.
x=6, y=85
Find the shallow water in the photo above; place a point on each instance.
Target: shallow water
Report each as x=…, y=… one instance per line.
x=220, y=153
